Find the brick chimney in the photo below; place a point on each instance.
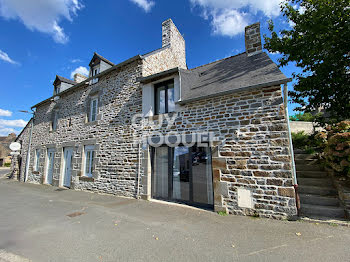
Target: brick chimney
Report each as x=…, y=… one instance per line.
x=79, y=78
x=253, y=44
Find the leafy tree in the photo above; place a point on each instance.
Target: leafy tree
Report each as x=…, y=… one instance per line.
x=319, y=44
x=308, y=117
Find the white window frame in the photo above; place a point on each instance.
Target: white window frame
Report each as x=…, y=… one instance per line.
x=37, y=160
x=89, y=155
x=93, y=111
x=95, y=71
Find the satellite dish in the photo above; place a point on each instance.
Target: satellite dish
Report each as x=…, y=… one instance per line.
x=15, y=146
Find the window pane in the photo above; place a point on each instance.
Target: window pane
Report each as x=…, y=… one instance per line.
x=93, y=110
x=202, y=175
x=160, y=181
x=181, y=173
x=171, y=99
x=54, y=122
x=87, y=163
x=160, y=100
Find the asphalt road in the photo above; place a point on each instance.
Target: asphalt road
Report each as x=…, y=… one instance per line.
x=4, y=171
x=34, y=224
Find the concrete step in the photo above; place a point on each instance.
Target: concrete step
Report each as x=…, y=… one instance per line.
x=317, y=190
x=323, y=211
x=323, y=182
x=306, y=162
x=304, y=156
x=311, y=174
x=314, y=167
x=319, y=200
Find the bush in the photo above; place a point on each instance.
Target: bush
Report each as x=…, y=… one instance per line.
x=310, y=143
x=7, y=165
x=337, y=151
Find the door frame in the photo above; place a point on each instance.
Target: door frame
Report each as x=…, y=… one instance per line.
x=49, y=150
x=63, y=167
x=171, y=177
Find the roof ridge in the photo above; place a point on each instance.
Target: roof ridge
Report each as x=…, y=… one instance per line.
x=217, y=61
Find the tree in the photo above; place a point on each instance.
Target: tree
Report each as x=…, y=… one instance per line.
x=305, y=117
x=319, y=44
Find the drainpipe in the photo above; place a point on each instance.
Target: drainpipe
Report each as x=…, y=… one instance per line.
x=295, y=181
x=28, y=151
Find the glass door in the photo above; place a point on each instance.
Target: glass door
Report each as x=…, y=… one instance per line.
x=183, y=174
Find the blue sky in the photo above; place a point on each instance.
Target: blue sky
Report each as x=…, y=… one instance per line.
x=42, y=38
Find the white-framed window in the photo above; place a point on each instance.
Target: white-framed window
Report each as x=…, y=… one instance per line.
x=89, y=160
x=164, y=97
x=95, y=71
x=56, y=90
x=37, y=160
x=93, y=109
x=54, y=120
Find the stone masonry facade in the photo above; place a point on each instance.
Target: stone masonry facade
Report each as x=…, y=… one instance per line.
x=251, y=149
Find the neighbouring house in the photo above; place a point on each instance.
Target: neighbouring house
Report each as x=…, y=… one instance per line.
x=5, y=141
x=215, y=136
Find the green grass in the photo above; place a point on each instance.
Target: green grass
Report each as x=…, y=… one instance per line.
x=222, y=213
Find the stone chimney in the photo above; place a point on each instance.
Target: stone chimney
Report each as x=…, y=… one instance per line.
x=172, y=37
x=79, y=78
x=170, y=33
x=253, y=44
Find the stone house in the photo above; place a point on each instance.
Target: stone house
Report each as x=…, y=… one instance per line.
x=5, y=141
x=214, y=136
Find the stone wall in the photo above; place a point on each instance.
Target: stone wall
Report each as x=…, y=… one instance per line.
x=116, y=157
x=306, y=127
x=251, y=152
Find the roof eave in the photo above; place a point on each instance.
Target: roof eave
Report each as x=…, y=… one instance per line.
x=155, y=77
x=247, y=88
x=130, y=60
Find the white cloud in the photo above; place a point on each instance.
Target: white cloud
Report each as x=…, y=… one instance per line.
x=4, y=112
x=12, y=123
x=76, y=60
x=42, y=15
x=80, y=70
x=5, y=57
x=229, y=17
x=5, y=131
x=144, y=4
x=229, y=22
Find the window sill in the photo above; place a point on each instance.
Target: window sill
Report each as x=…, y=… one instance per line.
x=86, y=179
x=156, y=117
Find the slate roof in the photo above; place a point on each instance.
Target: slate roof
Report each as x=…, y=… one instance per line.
x=236, y=73
x=64, y=80
x=100, y=57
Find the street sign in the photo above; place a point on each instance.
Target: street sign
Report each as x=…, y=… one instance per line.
x=15, y=146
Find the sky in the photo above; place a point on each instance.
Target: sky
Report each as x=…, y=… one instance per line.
x=40, y=39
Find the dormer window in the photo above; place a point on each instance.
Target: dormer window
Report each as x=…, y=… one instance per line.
x=95, y=71
x=56, y=90
x=60, y=84
x=97, y=65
